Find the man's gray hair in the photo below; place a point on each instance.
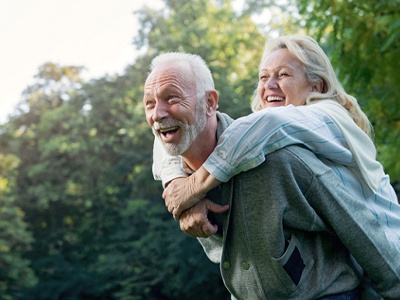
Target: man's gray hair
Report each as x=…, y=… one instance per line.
x=201, y=72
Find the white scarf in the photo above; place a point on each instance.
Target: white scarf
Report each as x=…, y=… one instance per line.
x=360, y=144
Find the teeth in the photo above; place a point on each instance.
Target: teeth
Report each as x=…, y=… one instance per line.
x=274, y=98
x=162, y=130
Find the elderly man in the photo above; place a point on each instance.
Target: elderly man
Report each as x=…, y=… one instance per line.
x=292, y=229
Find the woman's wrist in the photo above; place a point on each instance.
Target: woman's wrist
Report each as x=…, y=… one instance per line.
x=203, y=182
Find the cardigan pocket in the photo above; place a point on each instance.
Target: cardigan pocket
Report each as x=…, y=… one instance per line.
x=292, y=268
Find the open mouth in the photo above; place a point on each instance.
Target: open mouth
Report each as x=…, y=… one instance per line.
x=168, y=131
x=275, y=99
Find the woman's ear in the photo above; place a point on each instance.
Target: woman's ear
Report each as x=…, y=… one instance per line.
x=212, y=102
x=318, y=86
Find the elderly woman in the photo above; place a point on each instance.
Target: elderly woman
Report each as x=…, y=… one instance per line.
x=299, y=101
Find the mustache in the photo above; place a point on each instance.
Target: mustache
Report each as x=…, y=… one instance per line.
x=166, y=124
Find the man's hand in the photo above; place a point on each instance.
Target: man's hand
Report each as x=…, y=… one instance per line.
x=194, y=221
x=179, y=196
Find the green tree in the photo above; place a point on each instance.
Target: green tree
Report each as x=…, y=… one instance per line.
x=16, y=273
x=83, y=174
x=362, y=38
x=75, y=167
x=227, y=40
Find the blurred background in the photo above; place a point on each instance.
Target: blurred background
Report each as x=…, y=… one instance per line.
x=80, y=214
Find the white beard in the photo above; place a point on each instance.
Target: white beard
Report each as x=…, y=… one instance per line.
x=189, y=132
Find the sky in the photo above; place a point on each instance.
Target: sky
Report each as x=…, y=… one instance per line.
x=96, y=34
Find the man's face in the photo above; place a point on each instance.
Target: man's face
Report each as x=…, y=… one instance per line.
x=172, y=109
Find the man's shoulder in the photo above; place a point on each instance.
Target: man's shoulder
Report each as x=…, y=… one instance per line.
x=224, y=121
x=224, y=118
x=296, y=159
x=284, y=172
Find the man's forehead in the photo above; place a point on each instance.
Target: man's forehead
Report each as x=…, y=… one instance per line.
x=169, y=75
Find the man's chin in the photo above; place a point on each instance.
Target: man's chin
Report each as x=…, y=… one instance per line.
x=173, y=150
x=185, y=142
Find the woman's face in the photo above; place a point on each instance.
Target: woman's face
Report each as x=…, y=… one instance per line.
x=282, y=81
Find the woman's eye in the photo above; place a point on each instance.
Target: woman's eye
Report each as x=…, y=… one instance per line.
x=283, y=74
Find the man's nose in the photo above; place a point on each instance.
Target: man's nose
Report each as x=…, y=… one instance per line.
x=160, y=111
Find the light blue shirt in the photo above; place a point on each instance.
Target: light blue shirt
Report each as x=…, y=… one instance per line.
x=248, y=140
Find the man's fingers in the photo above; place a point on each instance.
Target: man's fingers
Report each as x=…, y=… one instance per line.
x=216, y=208
x=194, y=231
x=209, y=229
x=204, y=231
x=197, y=225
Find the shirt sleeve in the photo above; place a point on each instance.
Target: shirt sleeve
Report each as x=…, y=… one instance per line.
x=361, y=233
x=165, y=167
x=249, y=139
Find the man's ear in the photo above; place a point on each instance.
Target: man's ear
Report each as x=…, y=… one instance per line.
x=212, y=102
x=318, y=86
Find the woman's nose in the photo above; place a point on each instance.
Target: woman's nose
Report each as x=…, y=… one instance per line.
x=271, y=83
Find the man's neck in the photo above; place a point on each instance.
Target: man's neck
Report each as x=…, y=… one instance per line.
x=201, y=147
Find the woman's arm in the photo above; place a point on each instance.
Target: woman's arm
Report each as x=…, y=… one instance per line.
x=169, y=169
x=248, y=140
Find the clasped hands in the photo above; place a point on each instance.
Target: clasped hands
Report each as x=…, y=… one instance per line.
x=184, y=199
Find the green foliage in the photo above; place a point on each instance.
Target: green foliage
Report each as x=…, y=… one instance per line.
x=85, y=165
x=228, y=41
x=362, y=40
x=82, y=218
x=15, y=238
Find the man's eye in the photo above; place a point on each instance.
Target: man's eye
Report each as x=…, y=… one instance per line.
x=149, y=104
x=172, y=99
x=263, y=77
x=283, y=74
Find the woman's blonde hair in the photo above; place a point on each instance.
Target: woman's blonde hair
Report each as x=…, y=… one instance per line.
x=317, y=67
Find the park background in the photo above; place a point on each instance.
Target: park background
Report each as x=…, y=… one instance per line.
x=80, y=214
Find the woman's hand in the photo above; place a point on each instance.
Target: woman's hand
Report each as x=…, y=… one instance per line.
x=179, y=196
x=183, y=193
x=194, y=221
